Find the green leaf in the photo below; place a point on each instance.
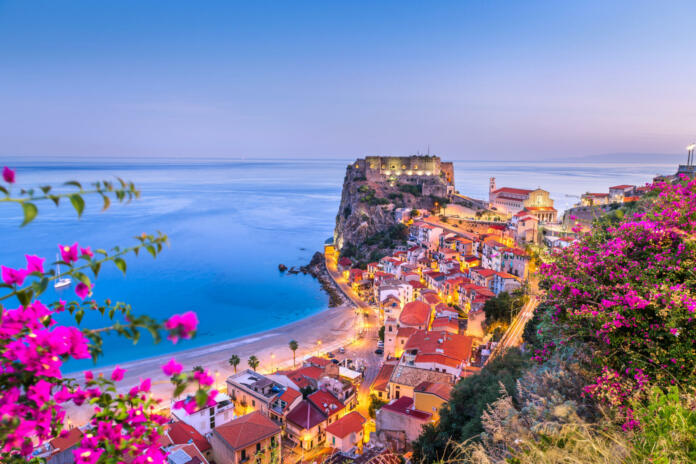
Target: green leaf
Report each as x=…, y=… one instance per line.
x=24, y=296
x=74, y=183
x=95, y=268
x=40, y=286
x=78, y=203
x=201, y=398
x=55, y=199
x=79, y=315
x=107, y=203
x=30, y=212
x=45, y=189
x=4, y=190
x=121, y=264
x=152, y=251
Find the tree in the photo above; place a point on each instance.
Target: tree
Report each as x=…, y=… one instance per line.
x=198, y=369
x=293, y=346
x=234, y=362
x=381, y=333
x=375, y=404
x=253, y=362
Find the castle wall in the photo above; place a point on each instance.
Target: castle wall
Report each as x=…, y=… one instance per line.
x=406, y=169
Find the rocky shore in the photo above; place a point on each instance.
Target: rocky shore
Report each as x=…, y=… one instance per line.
x=317, y=269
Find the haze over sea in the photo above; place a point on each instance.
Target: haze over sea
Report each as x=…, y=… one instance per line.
x=230, y=224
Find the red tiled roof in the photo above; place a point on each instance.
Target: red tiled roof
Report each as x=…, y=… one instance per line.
x=317, y=361
x=484, y=272
x=431, y=298
x=622, y=187
x=345, y=261
x=437, y=359
x=404, y=405
x=306, y=415
x=181, y=432
x=454, y=346
x=513, y=190
x=350, y=423
x=191, y=450
x=289, y=395
x=72, y=438
x=445, y=323
x=382, y=379
x=247, y=430
x=415, y=313
x=505, y=275
x=439, y=389
x=588, y=194
x=326, y=402
x=415, y=283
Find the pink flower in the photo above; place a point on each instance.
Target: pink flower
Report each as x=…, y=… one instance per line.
x=145, y=385
x=82, y=290
x=89, y=376
x=87, y=251
x=204, y=378
x=34, y=264
x=172, y=368
x=117, y=374
x=68, y=253
x=183, y=325
x=13, y=276
x=87, y=456
x=8, y=175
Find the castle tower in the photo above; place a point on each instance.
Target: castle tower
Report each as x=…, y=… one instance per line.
x=491, y=185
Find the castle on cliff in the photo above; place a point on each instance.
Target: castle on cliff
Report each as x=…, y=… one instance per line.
x=428, y=171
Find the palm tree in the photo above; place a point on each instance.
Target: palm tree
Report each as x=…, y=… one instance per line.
x=293, y=346
x=234, y=362
x=253, y=362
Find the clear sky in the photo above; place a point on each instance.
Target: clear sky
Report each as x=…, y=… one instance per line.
x=474, y=79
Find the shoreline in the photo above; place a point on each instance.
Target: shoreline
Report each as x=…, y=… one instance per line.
x=320, y=332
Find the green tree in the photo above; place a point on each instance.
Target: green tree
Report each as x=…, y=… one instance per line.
x=253, y=362
x=381, y=333
x=375, y=404
x=293, y=346
x=234, y=362
x=460, y=417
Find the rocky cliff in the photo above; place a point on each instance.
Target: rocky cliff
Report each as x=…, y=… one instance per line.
x=366, y=227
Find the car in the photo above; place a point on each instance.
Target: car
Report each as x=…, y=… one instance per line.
x=335, y=361
x=330, y=355
x=341, y=350
x=379, y=351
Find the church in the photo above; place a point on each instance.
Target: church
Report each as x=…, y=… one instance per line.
x=513, y=200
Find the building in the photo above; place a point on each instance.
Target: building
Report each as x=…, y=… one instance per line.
x=184, y=454
x=511, y=201
x=180, y=433
x=504, y=282
x=424, y=170
x=328, y=404
x=205, y=419
x=60, y=449
x=250, y=437
x=346, y=433
x=439, y=351
x=306, y=425
x=251, y=391
x=399, y=420
x=283, y=404
x=593, y=199
x=618, y=192
x=405, y=378
x=380, y=386
x=415, y=314
x=430, y=397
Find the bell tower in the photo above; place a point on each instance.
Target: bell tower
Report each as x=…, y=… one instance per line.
x=491, y=185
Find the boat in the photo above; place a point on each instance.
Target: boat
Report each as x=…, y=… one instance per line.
x=61, y=282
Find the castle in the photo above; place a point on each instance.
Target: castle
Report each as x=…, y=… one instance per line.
x=512, y=201
x=404, y=169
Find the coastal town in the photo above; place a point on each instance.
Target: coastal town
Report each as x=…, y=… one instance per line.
x=450, y=287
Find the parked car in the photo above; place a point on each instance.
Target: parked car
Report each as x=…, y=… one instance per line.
x=341, y=350
x=335, y=361
x=379, y=351
x=330, y=355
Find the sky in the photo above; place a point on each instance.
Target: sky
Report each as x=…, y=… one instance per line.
x=471, y=79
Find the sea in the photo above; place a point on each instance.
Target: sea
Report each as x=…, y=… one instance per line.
x=230, y=223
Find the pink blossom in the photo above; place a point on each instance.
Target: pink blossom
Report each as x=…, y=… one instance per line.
x=34, y=264
x=8, y=175
x=87, y=251
x=182, y=325
x=13, y=276
x=172, y=368
x=117, y=374
x=82, y=290
x=204, y=378
x=69, y=253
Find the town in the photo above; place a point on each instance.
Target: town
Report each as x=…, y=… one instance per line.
x=454, y=290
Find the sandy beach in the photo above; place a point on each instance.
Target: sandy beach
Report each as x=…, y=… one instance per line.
x=321, y=332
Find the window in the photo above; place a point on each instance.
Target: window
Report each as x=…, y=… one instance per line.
x=253, y=403
x=258, y=447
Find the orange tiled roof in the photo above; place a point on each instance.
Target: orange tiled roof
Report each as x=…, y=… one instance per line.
x=350, y=423
x=382, y=379
x=70, y=439
x=247, y=430
x=326, y=402
x=415, y=313
x=181, y=432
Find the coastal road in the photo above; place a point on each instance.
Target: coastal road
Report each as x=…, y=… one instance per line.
x=513, y=335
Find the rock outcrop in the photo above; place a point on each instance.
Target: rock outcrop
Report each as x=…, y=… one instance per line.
x=366, y=222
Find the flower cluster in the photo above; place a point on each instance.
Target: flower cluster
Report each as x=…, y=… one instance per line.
x=627, y=294
x=34, y=394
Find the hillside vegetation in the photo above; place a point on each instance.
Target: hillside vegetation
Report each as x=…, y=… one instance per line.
x=610, y=365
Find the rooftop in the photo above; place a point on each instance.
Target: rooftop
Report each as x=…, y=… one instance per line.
x=326, y=402
x=441, y=390
x=404, y=405
x=382, y=379
x=181, y=432
x=305, y=415
x=247, y=430
x=415, y=313
x=350, y=423
x=454, y=346
x=412, y=376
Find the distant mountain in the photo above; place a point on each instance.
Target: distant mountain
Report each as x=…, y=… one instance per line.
x=656, y=158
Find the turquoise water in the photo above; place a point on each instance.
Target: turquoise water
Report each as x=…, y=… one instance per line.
x=230, y=224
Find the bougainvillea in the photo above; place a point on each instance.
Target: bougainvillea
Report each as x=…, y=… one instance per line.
x=34, y=346
x=627, y=293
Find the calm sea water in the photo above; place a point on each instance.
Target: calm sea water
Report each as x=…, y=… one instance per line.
x=230, y=224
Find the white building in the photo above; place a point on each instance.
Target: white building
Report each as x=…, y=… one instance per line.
x=205, y=419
